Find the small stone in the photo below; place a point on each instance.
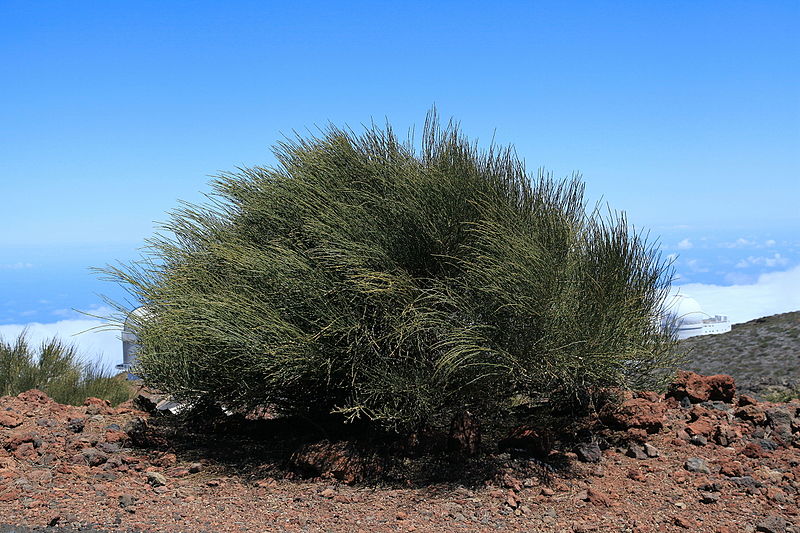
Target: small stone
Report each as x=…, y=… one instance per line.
x=328, y=493
x=753, y=450
x=126, y=500
x=510, y=482
x=636, y=451
x=696, y=464
x=651, y=450
x=731, y=469
x=512, y=500
x=725, y=435
x=598, y=498
x=780, y=420
x=746, y=482
x=94, y=457
x=76, y=425
x=401, y=515
x=709, y=497
x=10, y=419
x=589, y=452
x=635, y=475
x=156, y=479
x=685, y=523
x=195, y=468
x=166, y=460
x=746, y=400
x=698, y=440
x=710, y=487
x=109, y=447
x=751, y=413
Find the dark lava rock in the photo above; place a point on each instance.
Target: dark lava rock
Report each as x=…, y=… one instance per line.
x=94, y=457
x=76, y=425
x=717, y=405
x=109, y=447
x=767, y=444
x=746, y=482
x=636, y=451
x=589, y=452
x=709, y=497
x=126, y=500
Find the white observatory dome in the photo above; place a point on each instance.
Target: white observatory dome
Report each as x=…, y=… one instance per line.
x=684, y=316
x=685, y=310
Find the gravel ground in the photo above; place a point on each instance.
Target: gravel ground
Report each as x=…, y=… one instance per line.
x=6, y=528
x=657, y=464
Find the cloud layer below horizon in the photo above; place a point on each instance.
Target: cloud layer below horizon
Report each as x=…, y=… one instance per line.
x=772, y=293
x=102, y=346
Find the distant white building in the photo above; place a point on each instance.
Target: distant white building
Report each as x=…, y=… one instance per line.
x=688, y=319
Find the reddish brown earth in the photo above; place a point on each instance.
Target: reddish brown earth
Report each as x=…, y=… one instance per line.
x=700, y=459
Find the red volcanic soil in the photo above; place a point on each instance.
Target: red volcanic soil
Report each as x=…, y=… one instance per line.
x=698, y=459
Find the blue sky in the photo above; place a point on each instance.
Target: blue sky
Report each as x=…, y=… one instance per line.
x=684, y=114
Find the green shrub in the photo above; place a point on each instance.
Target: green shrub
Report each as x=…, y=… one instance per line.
x=57, y=369
x=366, y=277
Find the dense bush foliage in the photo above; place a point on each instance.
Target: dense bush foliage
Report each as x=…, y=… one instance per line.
x=367, y=277
x=57, y=369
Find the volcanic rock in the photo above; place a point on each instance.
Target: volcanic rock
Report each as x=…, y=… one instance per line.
x=10, y=419
x=696, y=464
x=772, y=524
x=697, y=388
x=635, y=413
x=589, y=452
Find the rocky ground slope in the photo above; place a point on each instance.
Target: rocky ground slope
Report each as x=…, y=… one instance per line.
x=699, y=459
x=763, y=355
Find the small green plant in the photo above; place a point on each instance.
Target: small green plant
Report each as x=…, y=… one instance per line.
x=366, y=277
x=778, y=394
x=57, y=369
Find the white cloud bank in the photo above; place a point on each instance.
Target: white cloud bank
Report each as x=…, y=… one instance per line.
x=775, y=292
x=103, y=346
